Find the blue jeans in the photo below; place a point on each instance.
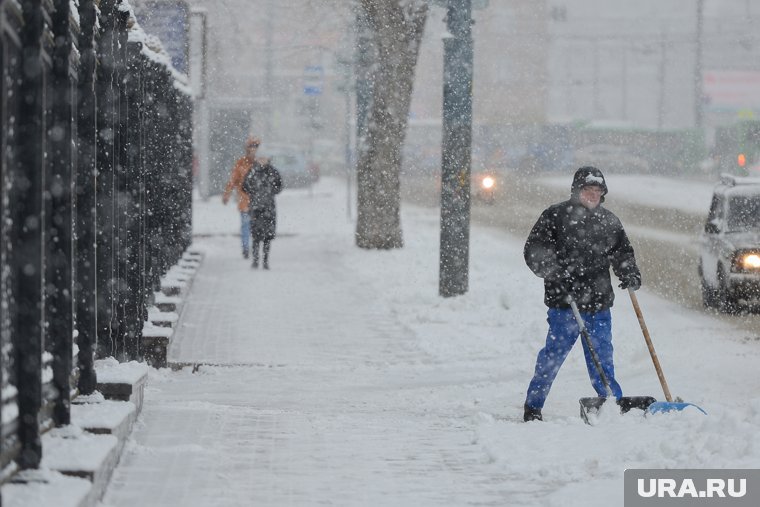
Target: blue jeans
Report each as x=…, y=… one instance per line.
x=563, y=332
x=245, y=230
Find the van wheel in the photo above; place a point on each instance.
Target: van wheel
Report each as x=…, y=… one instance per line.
x=709, y=295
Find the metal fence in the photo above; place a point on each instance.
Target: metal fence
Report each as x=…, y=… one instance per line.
x=96, y=156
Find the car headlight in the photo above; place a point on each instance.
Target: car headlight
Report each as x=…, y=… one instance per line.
x=487, y=182
x=748, y=261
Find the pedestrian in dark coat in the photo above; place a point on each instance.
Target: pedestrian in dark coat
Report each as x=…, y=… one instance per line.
x=238, y=174
x=261, y=184
x=572, y=247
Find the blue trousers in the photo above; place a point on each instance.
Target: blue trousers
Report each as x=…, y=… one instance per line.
x=563, y=332
x=245, y=230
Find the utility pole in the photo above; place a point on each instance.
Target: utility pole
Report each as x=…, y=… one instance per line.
x=268, y=84
x=663, y=69
x=456, y=149
x=345, y=61
x=595, y=83
x=624, y=84
x=347, y=143
x=698, y=112
x=364, y=72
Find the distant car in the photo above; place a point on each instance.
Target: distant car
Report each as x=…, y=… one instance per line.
x=729, y=265
x=292, y=163
x=612, y=158
x=484, y=186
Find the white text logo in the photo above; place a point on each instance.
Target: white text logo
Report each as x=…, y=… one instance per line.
x=714, y=488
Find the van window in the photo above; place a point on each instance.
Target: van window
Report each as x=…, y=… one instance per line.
x=743, y=213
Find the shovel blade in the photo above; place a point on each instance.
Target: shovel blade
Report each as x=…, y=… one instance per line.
x=671, y=406
x=591, y=406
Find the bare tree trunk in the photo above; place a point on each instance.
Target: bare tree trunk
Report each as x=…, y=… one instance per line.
x=397, y=27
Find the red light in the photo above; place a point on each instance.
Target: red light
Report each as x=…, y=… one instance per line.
x=741, y=159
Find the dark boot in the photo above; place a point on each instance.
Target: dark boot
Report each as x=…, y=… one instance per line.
x=267, y=246
x=532, y=414
x=255, y=254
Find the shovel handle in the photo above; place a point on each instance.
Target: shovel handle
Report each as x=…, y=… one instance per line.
x=650, y=346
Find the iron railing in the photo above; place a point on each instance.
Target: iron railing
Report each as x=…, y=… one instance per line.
x=96, y=156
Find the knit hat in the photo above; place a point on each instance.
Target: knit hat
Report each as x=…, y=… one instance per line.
x=587, y=176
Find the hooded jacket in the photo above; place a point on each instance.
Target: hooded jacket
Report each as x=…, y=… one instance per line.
x=572, y=248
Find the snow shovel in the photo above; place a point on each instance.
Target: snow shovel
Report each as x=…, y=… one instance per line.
x=658, y=406
x=593, y=404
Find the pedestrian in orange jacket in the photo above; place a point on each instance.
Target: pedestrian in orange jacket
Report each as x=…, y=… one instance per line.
x=237, y=176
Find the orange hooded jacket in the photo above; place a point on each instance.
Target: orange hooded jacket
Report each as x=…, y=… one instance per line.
x=239, y=172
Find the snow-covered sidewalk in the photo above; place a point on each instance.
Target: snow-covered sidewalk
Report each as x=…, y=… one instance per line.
x=340, y=377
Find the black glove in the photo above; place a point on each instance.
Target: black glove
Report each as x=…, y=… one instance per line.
x=631, y=281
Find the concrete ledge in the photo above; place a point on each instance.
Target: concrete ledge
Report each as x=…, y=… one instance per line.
x=155, y=344
x=168, y=303
x=79, y=459
x=187, y=268
x=73, y=452
x=192, y=264
x=162, y=319
x=193, y=255
x=122, y=381
x=42, y=488
x=177, y=280
x=106, y=417
x=174, y=286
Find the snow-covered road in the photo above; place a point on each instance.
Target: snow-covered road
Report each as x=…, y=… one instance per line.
x=340, y=377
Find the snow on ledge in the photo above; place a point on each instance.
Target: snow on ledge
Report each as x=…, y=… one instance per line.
x=72, y=449
x=46, y=487
x=107, y=414
x=156, y=331
x=111, y=371
x=154, y=314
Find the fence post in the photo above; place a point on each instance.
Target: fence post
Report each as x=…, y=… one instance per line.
x=134, y=306
x=175, y=173
x=162, y=176
x=26, y=257
x=152, y=191
x=60, y=326
x=165, y=175
x=126, y=345
x=186, y=166
x=106, y=133
x=136, y=152
x=86, y=316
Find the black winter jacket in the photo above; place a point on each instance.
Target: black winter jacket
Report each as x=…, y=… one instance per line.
x=572, y=248
x=261, y=184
